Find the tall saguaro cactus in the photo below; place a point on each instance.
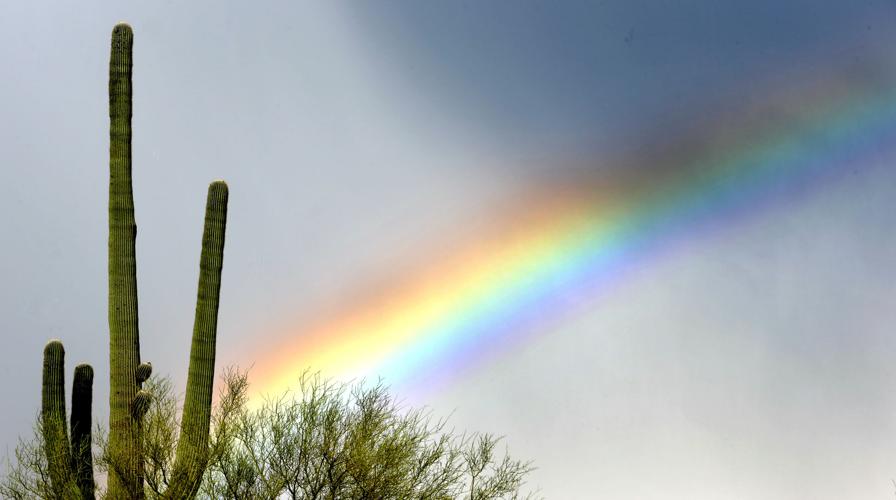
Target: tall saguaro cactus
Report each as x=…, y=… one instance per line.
x=69, y=462
x=124, y=337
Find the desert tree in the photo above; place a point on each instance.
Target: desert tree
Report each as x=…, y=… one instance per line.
x=325, y=440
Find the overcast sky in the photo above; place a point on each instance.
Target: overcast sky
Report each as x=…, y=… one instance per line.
x=753, y=360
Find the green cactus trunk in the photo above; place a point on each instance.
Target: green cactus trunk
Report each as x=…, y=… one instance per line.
x=124, y=338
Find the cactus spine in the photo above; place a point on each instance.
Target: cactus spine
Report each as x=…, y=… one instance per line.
x=70, y=463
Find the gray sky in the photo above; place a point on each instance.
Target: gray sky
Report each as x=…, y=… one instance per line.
x=749, y=360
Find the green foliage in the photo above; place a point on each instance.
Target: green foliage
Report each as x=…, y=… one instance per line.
x=328, y=440
x=28, y=474
x=325, y=441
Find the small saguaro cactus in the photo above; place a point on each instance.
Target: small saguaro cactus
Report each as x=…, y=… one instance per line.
x=69, y=462
x=66, y=461
x=81, y=420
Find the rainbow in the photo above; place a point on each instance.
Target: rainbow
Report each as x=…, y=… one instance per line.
x=566, y=245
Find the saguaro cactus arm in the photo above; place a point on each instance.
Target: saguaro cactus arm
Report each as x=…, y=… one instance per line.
x=124, y=340
x=192, y=446
x=144, y=370
x=81, y=421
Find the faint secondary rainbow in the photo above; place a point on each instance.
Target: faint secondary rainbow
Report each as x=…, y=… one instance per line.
x=569, y=244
